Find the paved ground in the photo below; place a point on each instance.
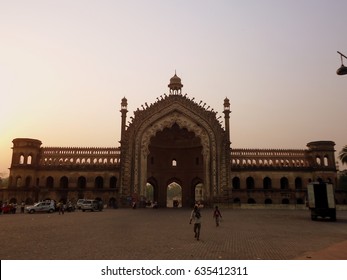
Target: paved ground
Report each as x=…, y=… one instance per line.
x=165, y=234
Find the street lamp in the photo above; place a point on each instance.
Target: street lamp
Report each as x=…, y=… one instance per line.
x=343, y=69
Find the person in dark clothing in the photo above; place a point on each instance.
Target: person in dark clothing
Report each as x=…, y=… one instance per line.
x=196, y=217
x=217, y=216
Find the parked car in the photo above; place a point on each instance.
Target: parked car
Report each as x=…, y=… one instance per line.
x=44, y=206
x=92, y=205
x=79, y=203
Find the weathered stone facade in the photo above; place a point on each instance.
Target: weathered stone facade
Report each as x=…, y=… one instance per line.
x=280, y=176
x=176, y=140
x=39, y=173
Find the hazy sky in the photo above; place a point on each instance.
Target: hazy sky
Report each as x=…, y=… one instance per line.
x=66, y=65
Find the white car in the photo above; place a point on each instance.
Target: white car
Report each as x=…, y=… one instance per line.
x=79, y=203
x=44, y=206
x=91, y=205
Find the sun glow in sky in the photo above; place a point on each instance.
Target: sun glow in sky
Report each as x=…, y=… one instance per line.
x=66, y=65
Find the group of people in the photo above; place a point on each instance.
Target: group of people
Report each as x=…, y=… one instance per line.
x=195, y=218
x=11, y=208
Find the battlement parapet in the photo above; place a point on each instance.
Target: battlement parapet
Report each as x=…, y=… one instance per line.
x=69, y=156
x=269, y=158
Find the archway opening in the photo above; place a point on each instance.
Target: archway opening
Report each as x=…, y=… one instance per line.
x=175, y=155
x=174, y=195
x=150, y=194
x=199, y=192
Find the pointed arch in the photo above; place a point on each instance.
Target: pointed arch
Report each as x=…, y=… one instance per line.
x=186, y=114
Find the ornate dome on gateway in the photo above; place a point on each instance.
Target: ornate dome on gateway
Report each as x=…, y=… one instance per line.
x=175, y=84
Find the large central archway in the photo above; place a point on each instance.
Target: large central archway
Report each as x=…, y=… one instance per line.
x=175, y=155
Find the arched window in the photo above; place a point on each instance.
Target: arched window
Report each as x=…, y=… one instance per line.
x=18, y=181
x=298, y=183
x=21, y=159
x=29, y=159
x=236, y=183
x=99, y=182
x=268, y=201
x=267, y=184
x=174, y=162
x=326, y=160
x=250, y=183
x=318, y=160
x=284, y=183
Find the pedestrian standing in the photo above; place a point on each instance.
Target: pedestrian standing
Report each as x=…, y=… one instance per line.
x=22, y=207
x=217, y=216
x=196, y=217
x=60, y=207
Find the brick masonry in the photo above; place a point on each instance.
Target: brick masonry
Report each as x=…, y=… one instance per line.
x=165, y=234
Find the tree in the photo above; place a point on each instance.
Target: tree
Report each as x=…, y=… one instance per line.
x=342, y=183
x=3, y=182
x=343, y=155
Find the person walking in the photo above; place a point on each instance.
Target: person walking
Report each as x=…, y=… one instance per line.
x=217, y=216
x=196, y=217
